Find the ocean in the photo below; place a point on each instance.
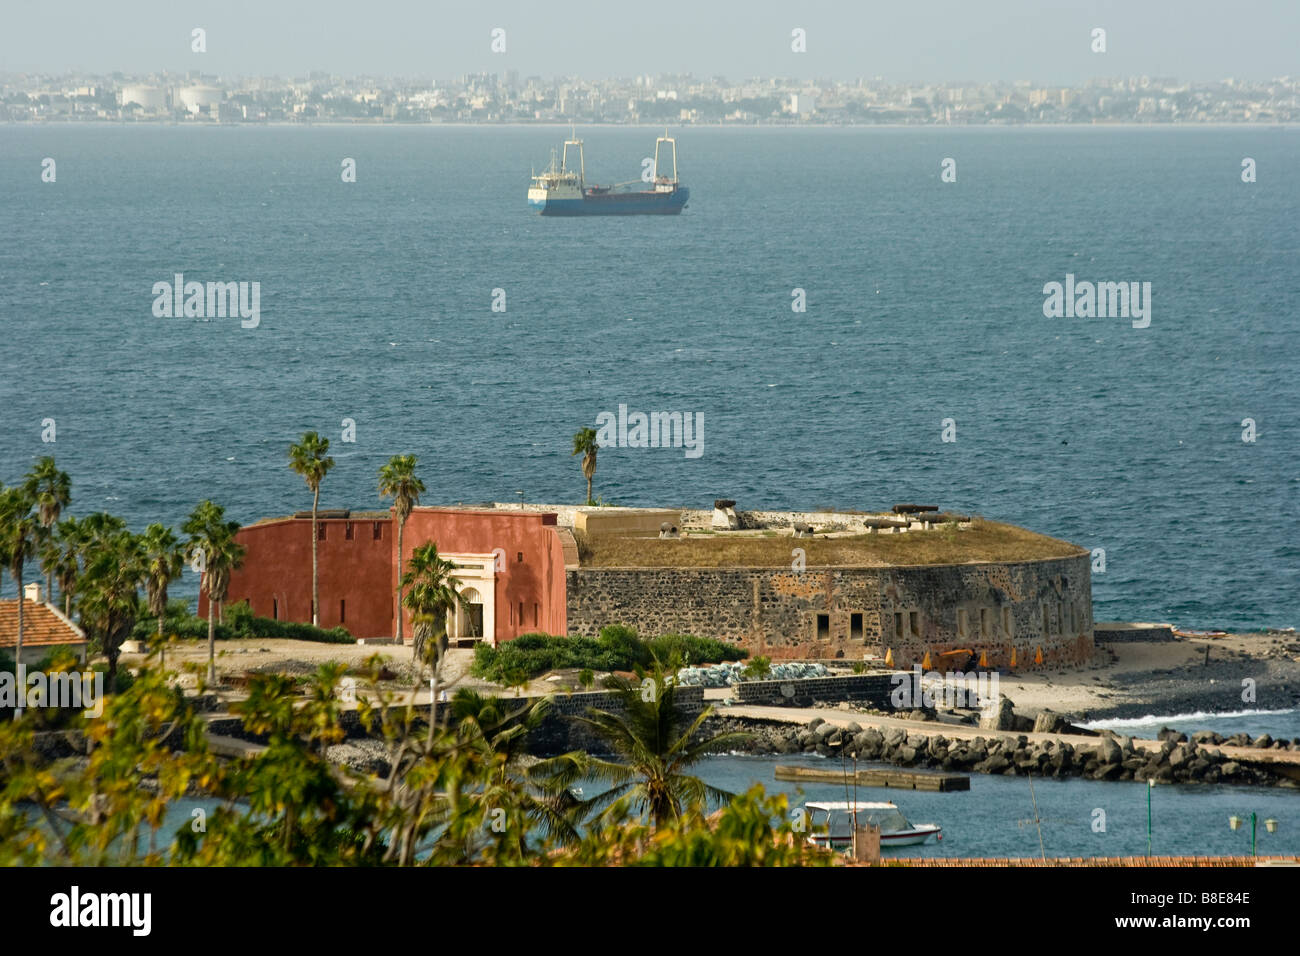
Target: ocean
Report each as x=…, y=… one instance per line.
x=924, y=302
x=997, y=817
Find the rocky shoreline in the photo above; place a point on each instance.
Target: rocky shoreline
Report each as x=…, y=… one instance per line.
x=1114, y=757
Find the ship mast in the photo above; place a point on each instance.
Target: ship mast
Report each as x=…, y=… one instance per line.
x=665, y=138
x=582, y=162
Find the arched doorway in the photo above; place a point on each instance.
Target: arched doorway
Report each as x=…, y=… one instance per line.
x=468, y=622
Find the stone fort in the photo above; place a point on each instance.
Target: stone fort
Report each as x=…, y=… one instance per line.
x=906, y=584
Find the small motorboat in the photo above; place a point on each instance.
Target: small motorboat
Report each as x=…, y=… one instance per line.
x=832, y=824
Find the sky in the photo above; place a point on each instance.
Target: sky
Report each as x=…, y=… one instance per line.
x=1043, y=41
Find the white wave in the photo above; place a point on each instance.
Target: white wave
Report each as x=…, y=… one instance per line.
x=1175, y=719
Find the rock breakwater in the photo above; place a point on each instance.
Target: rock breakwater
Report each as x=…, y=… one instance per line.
x=1112, y=757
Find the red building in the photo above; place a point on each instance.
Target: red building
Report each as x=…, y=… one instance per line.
x=510, y=566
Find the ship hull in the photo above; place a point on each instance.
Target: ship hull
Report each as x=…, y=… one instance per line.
x=615, y=204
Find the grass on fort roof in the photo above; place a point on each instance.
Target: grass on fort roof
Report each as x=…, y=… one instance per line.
x=982, y=541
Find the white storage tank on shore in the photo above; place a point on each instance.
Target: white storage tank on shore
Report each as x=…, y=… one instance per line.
x=149, y=98
x=194, y=98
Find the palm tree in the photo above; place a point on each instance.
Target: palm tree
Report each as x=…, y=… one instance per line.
x=108, y=600
x=163, y=563
x=584, y=444
x=503, y=734
x=653, y=744
x=52, y=491
x=212, y=537
x=60, y=558
x=397, y=481
x=308, y=458
x=17, y=544
x=432, y=591
x=84, y=538
x=51, y=557
x=97, y=526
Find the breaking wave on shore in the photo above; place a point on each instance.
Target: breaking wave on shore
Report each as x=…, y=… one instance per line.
x=1278, y=723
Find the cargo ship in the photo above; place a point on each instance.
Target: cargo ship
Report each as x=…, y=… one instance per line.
x=561, y=191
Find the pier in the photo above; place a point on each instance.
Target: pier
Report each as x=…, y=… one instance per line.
x=894, y=778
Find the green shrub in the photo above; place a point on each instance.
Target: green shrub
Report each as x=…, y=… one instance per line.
x=621, y=641
x=616, y=649
x=239, y=622
x=695, y=650
x=239, y=617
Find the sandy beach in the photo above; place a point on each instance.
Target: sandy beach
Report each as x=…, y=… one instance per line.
x=1129, y=680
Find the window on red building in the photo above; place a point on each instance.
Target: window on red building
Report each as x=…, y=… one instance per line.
x=320, y=531
x=343, y=610
x=347, y=531
x=378, y=531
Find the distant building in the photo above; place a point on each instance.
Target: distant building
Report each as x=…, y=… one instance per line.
x=45, y=629
x=510, y=564
x=803, y=104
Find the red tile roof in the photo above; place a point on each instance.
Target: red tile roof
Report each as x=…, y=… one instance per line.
x=42, y=626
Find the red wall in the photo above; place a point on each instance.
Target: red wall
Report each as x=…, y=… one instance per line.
x=537, y=579
x=277, y=570
x=363, y=572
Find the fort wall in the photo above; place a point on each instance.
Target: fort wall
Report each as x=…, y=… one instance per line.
x=994, y=608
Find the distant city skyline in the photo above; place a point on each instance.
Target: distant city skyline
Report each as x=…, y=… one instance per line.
x=940, y=42
x=511, y=98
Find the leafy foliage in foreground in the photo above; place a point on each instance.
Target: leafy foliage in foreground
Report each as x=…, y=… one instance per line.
x=740, y=834
x=462, y=795
x=654, y=744
x=618, y=648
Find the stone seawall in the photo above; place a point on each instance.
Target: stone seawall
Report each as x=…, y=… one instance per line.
x=1031, y=609
x=873, y=689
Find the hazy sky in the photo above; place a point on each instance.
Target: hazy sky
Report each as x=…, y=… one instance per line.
x=1047, y=41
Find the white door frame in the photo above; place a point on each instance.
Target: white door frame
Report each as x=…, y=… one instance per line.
x=477, y=571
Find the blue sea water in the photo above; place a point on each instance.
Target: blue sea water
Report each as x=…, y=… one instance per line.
x=996, y=817
x=924, y=302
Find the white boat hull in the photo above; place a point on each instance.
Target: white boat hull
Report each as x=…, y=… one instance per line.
x=919, y=834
